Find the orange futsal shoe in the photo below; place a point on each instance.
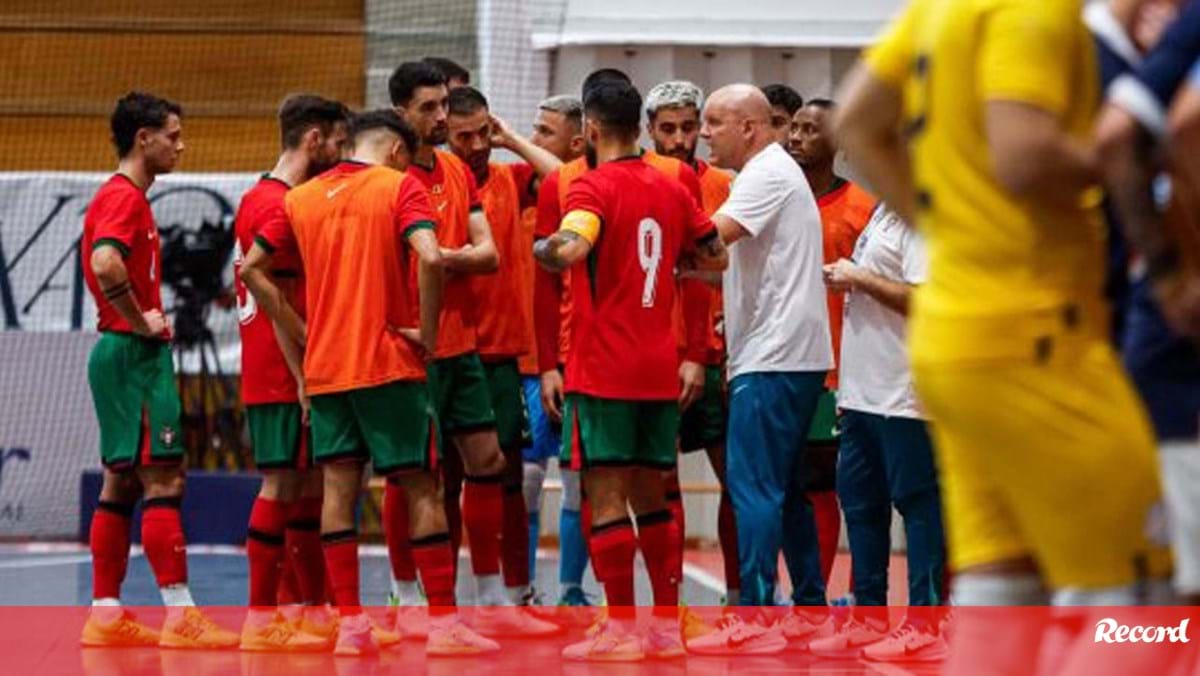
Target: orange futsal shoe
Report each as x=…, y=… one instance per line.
x=276, y=634
x=319, y=621
x=195, y=631
x=122, y=631
x=383, y=636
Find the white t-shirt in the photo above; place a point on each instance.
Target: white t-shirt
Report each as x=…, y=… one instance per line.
x=875, y=376
x=775, y=312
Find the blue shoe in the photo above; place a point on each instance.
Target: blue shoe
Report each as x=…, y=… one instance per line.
x=574, y=597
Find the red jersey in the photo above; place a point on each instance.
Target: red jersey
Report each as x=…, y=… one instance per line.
x=350, y=225
x=120, y=215
x=266, y=378
x=502, y=325
x=454, y=196
x=690, y=327
x=623, y=297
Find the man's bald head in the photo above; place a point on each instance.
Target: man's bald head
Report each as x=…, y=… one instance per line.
x=744, y=100
x=736, y=125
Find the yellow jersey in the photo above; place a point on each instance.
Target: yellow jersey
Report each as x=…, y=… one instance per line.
x=993, y=257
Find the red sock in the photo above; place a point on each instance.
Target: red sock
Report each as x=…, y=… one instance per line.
x=341, y=560
x=289, y=587
x=163, y=541
x=829, y=527
x=435, y=561
x=727, y=534
x=675, y=507
x=395, y=532
x=658, y=536
x=613, y=547
x=452, y=484
x=264, y=549
x=109, y=539
x=304, y=553
x=483, y=519
x=515, y=540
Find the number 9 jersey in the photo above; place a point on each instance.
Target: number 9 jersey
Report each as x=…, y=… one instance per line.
x=638, y=222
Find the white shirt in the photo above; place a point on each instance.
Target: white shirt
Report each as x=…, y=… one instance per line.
x=875, y=375
x=775, y=312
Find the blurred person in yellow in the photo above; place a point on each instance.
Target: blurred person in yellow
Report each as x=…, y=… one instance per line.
x=970, y=117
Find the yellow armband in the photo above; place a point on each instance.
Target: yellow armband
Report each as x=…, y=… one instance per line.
x=582, y=223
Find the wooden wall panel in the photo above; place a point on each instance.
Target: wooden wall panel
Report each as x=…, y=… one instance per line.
x=228, y=62
x=82, y=144
x=250, y=12
x=211, y=74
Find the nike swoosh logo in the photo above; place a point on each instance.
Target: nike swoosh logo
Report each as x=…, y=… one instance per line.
x=739, y=641
x=441, y=207
x=335, y=191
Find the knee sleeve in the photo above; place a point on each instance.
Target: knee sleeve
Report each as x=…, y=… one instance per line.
x=535, y=476
x=572, y=499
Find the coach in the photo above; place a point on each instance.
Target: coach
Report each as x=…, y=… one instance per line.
x=777, y=332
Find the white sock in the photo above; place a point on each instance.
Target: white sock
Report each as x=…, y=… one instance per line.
x=975, y=589
x=516, y=595
x=984, y=639
x=176, y=598
x=106, y=610
x=1125, y=595
x=489, y=590
x=407, y=592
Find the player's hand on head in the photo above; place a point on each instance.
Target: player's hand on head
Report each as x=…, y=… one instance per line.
x=552, y=395
x=501, y=133
x=691, y=382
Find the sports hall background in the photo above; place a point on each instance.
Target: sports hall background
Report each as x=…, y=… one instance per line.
x=230, y=63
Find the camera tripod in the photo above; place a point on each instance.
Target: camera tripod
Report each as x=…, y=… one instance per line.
x=212, y=419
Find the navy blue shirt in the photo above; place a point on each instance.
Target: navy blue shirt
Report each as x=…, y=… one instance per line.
x=1164, y=367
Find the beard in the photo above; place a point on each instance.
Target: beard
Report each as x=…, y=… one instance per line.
x=479, y=162
x=682, y=154
x=590, y=153
x=437, y=136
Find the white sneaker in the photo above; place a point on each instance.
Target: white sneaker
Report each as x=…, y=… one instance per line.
x=450, y=636
x=662, y=640
x=908, y=643
x=849, y=640
x=611, y=643
x=800, y=630
x=733, y=636
x=412, y=622
x=511, y=621
x=356, y=637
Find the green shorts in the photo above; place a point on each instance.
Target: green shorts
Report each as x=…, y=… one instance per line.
x=459, y=387
x=819, y=470
x=703, y=423
x=508, y=403
x=616, y=432
x=278, y=436
x=824, y=423
x=137, y=402
x=392, y=425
